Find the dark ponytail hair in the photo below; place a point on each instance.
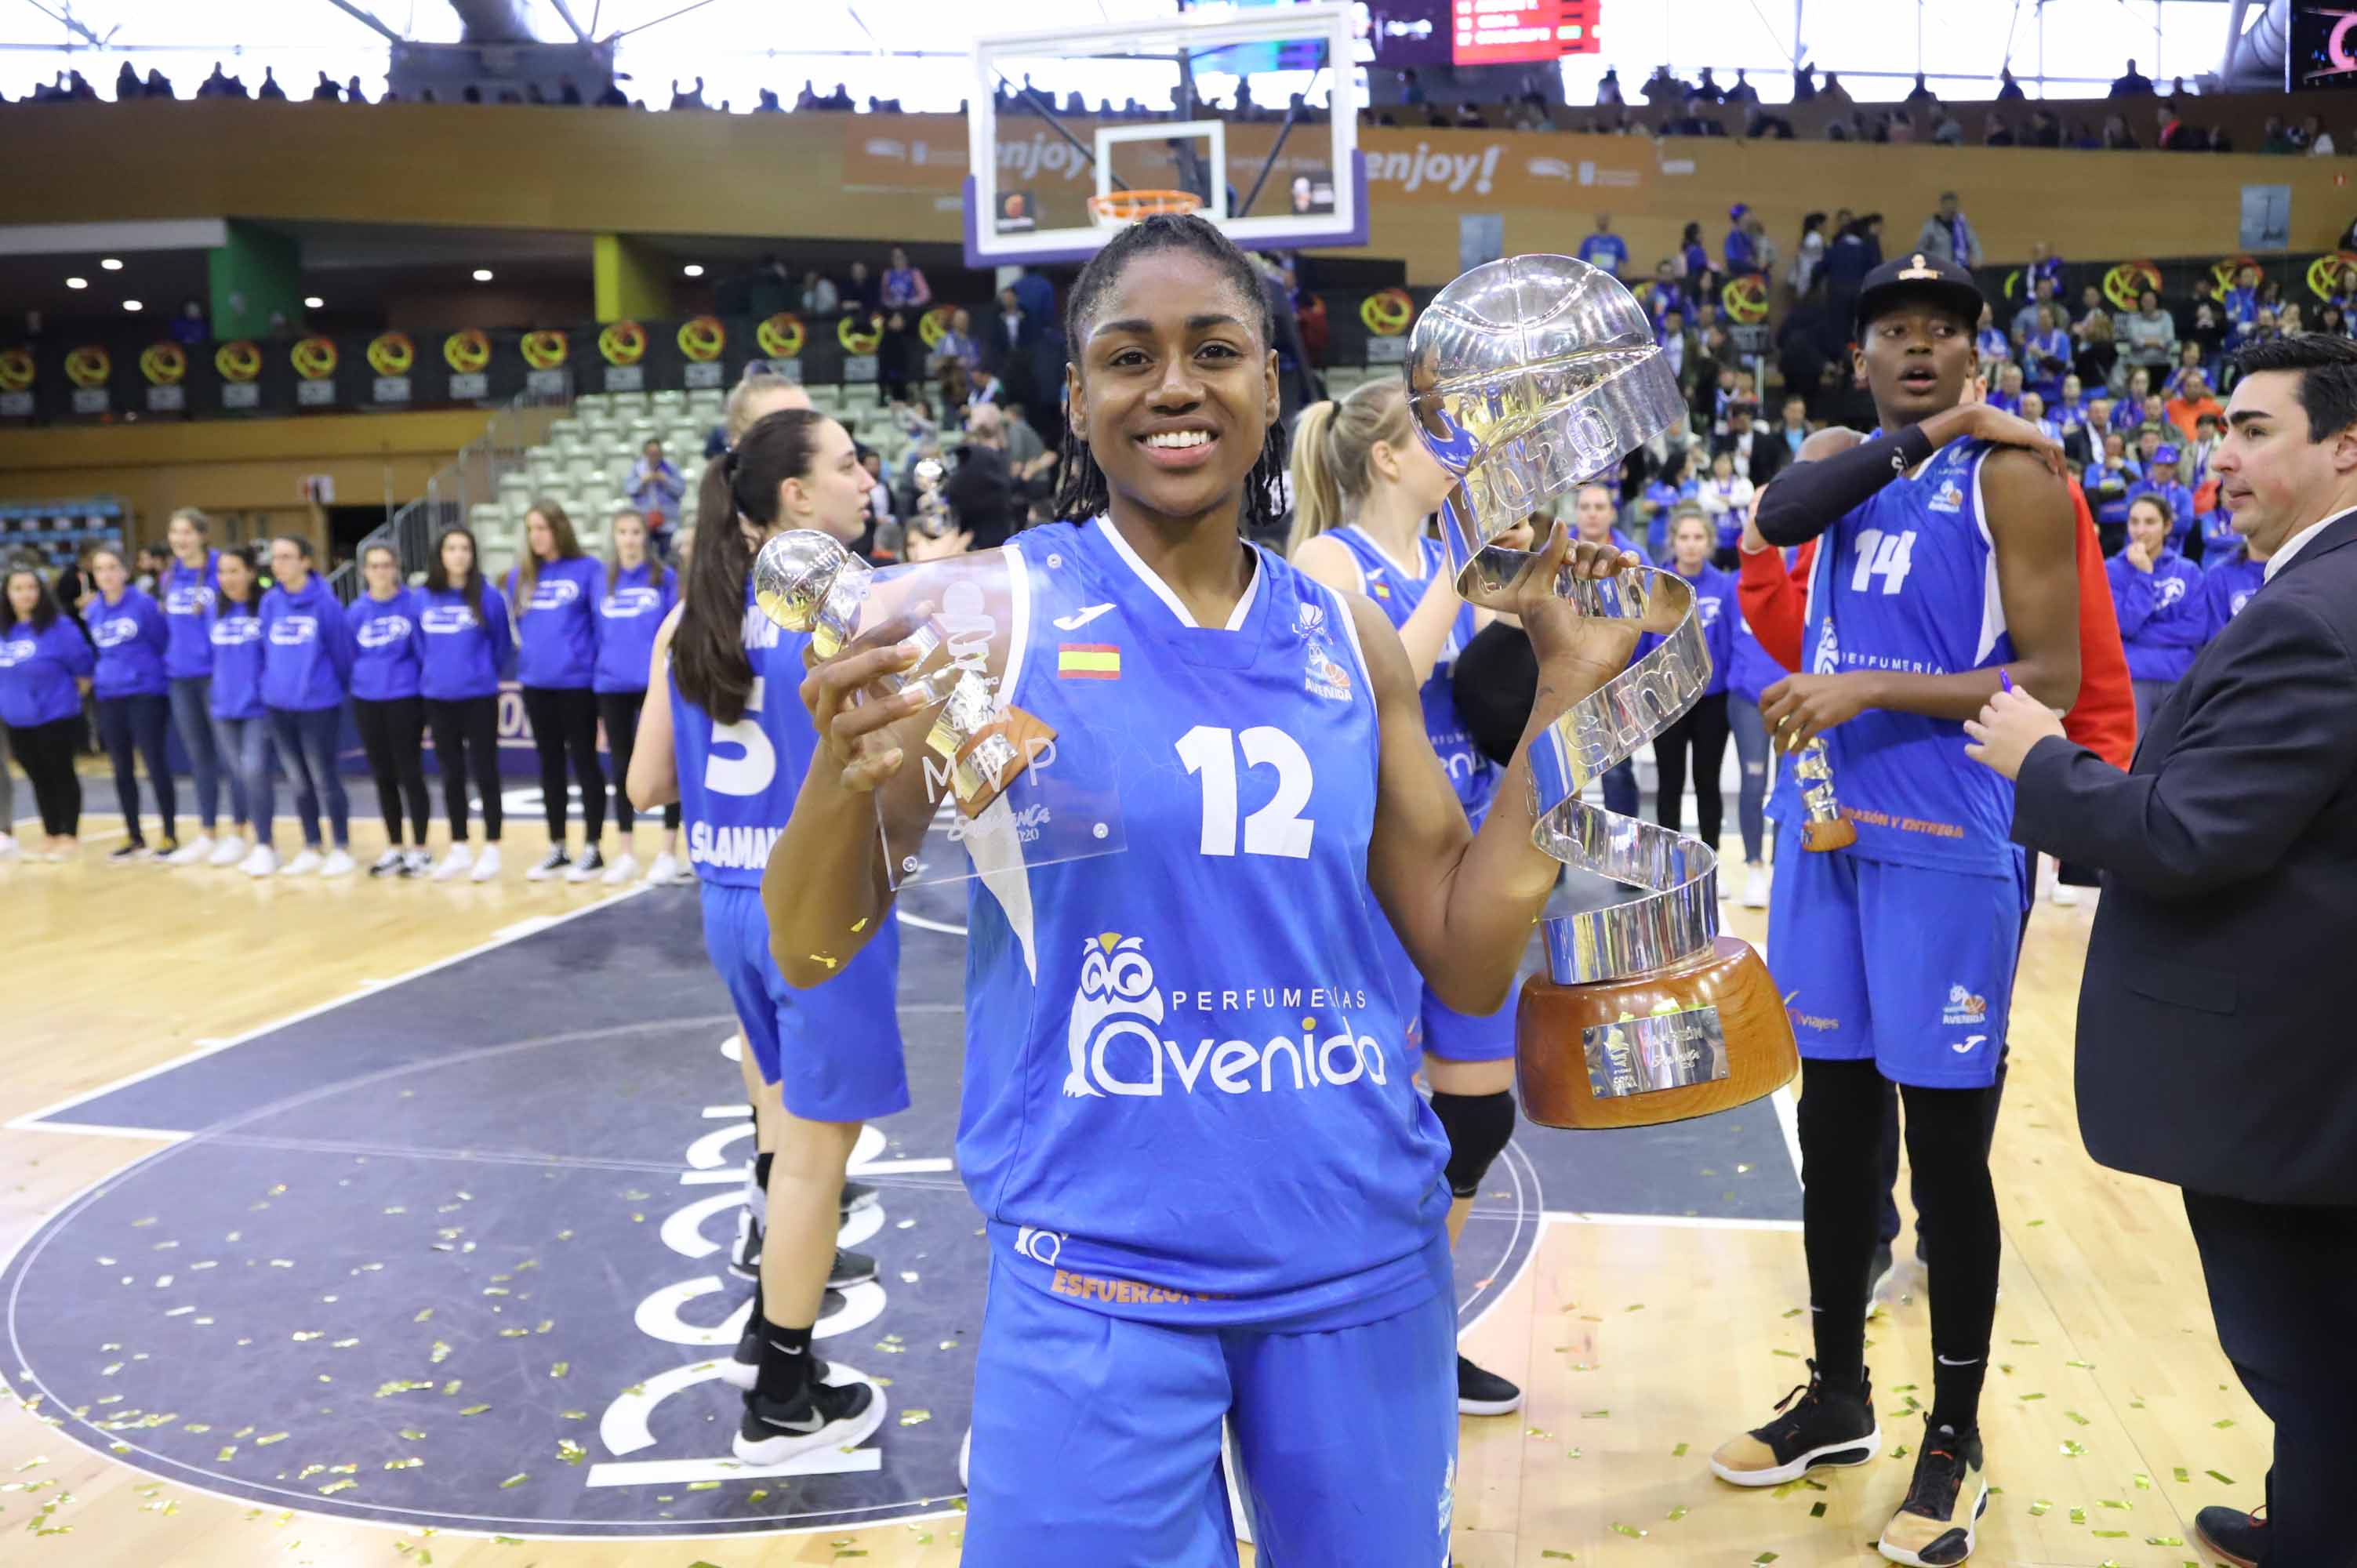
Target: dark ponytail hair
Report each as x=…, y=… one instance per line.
x=738, y=503
x=437, y=576
x=1081, y=489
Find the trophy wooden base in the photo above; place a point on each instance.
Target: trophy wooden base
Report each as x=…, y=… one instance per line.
x=1590, y=1055
x=1838, y=834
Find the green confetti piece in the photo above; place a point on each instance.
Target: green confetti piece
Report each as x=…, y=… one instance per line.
x=1630, y=1530
x=2109, y=1534
x=518, y=1540
x=2083, y=1366
x=1764, y=1558
x=1899, y=1452
x=2113, y=1503
x=474, y=1410
x=1795, y=1355
x=1634, y=1306
x=2077, y=1515
x=2038, y=1508
x=703, y=1485
x=1816, y=1511
x=1679, y=1452
x=1594, y=1414
x=2164, y=1540
x=2222, y=1480
x=2026, y=1398
x=1679, y=1512
x=2225, y=1424
x=2025, y=1341
x=2143, y=1482
x=518, y=1479
x=2184, y=1476
x=1771, y=1556
x=1551, y=1555
x=2082, y=1420
x=2074, y=1450
x=2036, y=1223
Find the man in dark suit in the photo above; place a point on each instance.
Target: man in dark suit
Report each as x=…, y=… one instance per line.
x=2213, y=1026
x=1760, y=455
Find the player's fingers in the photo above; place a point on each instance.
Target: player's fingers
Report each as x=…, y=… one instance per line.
x=1976, y=753
x=1977, y=730
x=870, y=772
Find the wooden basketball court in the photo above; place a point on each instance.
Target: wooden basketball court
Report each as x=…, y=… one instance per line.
x=1642, y=1341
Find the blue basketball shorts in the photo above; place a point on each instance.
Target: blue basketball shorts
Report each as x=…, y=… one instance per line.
x=834, y=1049
x=1907, y=968
x=1097, y=1438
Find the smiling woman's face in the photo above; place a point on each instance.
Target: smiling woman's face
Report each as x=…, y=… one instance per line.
x=1175, y=386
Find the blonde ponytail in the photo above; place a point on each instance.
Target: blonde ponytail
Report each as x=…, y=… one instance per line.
x=1332, y=446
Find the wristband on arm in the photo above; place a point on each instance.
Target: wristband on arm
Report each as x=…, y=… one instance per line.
x=1806, y=499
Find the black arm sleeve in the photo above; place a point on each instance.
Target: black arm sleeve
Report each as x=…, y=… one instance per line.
x=1806, y=498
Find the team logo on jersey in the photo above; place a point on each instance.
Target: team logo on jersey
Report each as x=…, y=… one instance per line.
x=440, y=620
x=383, y=631
x=2235, y=603
x=554, y=593
x=1828, y=655
x=1081, y=618
x=627, y=604
x=187, y=601
x=114, y=633
x=1965, y=1006
x=2172, y=590
x=293, y=631
x=1969, y=1044
x=15, y=653
x=1324, y=677
x=231, y=631
x=1949, y=497
x=1114, y=1038
x=1709, y=609
x=1040, y=1246
x=1308, y=619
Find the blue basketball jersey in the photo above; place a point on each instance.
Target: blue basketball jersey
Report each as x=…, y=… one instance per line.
x=1396, y=593
x=1187, y=1092
x=737, y=782
x=1908, y=582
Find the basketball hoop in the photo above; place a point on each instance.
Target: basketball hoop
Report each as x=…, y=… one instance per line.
x=1116, y=208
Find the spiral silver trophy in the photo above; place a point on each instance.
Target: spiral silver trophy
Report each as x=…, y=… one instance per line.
x=1001, y=788
x=1528, y=377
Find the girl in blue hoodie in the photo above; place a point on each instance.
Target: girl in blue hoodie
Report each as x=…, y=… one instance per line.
x=185, y=588
x=233, y=631
x=464, y=629
x=135, y=709
x=639, y=591
x=554, y=593
x=2164, y=619
x=46, y=664
x=307, y=666
x=386, y=659
x=1703, y=729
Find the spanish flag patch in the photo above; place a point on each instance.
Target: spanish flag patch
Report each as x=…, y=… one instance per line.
x=1088, y=661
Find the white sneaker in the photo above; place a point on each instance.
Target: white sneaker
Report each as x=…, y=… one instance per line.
x=2064, y=896
x=623, y=870
x=263, y=862
x=591, y=864
x=487, y=869
x=229, y=850
x=303, y=864
x=7, y=846
x=386, y=864
x=1755, y=887
x=455, y=859
x=338, y=864
x=664, y=870
x=193, y=853
x=415, y=862
x=549, y=866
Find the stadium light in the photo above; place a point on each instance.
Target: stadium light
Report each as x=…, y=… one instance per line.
x=77, y=283
x=112, y=264
x=482, y=275
x=692, y=270
x=313, y=302
x=132, y=305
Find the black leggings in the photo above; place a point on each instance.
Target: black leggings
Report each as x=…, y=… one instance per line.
x=47, y=752
x=564, y=719
x=618, y=712
x=1703, y=727
x=467, y=738
x=141, y=723
x=1841, y=1137
x=393, y=732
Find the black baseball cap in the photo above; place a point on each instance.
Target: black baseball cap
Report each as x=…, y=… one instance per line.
x=1919, y=276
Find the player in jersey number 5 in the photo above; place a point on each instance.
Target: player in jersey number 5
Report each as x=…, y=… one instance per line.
x=1216, y=998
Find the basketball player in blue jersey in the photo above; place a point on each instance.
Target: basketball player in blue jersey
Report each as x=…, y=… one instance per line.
x=1362, y=487
x=1213, y=1194
x=722, y=732
x=1946, y=569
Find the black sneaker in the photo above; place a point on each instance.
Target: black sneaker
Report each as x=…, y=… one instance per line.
x=1481, y=1393
x=589, y=868
x=1934, y=1527
x=1884, y=1265
x=1826, y=1427
x=824, y=1415
x=745, y=1257
x=550, y=866
x=743, y=1368
x=857, y=1196
x=2233, y=1536
x=850, y=1269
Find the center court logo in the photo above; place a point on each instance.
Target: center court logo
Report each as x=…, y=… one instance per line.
x=1115, y=1044
x=1965, y=1007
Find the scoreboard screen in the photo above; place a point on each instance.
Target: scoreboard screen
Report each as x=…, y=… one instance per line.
x=1518, y=32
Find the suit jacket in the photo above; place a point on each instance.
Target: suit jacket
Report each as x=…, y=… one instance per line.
x=1769, y=453
x=2215, y=1034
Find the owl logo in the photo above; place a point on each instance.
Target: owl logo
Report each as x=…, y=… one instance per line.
x=1828, y=656
x=1117, y=1000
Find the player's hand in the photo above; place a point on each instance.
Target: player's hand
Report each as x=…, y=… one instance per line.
x=1575, y=653
x=855, y=714
x=1800, y=707
x=2138, y=555
x=2011, y=722
x=1994, y=424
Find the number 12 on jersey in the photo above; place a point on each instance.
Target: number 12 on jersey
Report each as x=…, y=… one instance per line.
x=1278, y=828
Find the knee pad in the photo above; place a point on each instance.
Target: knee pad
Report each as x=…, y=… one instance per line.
x=1478, y=1127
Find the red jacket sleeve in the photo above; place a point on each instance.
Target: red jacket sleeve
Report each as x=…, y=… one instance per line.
x=1775, y=601
x=2104, y=718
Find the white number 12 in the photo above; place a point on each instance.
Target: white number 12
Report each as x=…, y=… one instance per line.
x=1278, y=828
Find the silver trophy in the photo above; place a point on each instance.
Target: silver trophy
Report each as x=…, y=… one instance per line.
x=932, y=517
x=1528, y=377
x=1002, y=786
